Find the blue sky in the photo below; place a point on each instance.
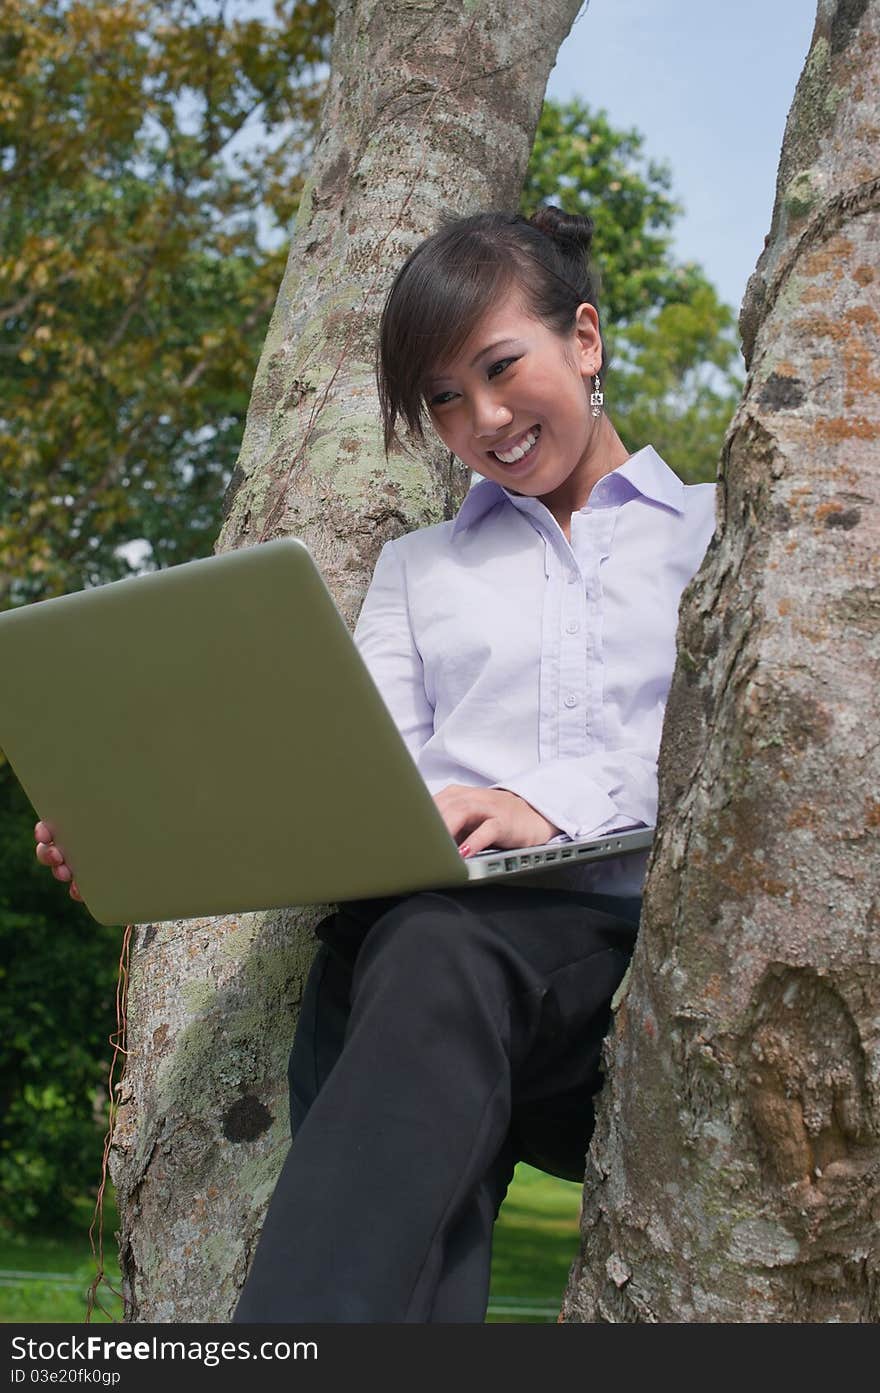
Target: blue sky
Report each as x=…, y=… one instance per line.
x=709, y=84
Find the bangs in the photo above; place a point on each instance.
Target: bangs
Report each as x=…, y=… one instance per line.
x=455, y=277
x=437, y=299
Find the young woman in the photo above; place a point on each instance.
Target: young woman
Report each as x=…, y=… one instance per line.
x=525, y=651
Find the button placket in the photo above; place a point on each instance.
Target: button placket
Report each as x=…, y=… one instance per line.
x=602, y=525
x=572, y=674
x=549, y=675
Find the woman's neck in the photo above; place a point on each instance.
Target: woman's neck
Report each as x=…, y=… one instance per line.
x=606, y=454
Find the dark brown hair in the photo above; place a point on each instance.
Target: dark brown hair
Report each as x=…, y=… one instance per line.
x=455, y=276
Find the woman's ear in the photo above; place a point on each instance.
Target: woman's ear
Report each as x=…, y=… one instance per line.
x=589, y=340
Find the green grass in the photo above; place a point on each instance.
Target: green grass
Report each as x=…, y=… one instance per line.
x=44, y=1277
x=536, y=1240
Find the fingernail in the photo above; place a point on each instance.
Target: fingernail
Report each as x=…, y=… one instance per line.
x=465, y=850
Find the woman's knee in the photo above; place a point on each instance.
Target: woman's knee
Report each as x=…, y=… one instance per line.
x=435, y=948
x=427, y=933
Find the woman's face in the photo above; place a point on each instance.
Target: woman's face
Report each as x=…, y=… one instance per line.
x=514, y=404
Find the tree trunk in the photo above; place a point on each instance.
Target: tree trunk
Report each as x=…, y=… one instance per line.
x=428, y=108
x=735, y=1171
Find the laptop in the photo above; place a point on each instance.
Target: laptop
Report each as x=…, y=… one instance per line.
x=207, y=740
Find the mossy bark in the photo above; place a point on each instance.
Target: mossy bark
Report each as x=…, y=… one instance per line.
x=429, y=108
x=735, y=1170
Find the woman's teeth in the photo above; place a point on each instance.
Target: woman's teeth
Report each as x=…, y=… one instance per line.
x=518, y=451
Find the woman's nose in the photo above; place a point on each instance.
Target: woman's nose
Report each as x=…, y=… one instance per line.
x=489, y=415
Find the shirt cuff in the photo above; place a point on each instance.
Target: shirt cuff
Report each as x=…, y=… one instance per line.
x=566, y=792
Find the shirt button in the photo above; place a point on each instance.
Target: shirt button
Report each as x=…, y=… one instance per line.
x=571, y=700
x=571, y=577
x=572, y=626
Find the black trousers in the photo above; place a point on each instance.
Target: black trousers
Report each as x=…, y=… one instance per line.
x=443, y=1037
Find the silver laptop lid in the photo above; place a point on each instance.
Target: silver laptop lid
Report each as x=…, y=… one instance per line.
x=206, y=739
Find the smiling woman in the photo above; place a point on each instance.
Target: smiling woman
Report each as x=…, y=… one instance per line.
x=434, y=308
x=516, y=336
x=524, y=650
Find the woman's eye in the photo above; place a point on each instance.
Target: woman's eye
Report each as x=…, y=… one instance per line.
x=441, y=398
x=499, y=367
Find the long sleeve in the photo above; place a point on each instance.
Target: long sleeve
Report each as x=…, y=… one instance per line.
x=384, y=638
x=592, y=794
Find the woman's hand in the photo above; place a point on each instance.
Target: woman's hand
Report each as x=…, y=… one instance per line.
x=48, y=854
x=481, y=817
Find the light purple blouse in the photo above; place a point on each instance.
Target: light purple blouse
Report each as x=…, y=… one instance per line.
x=510, y=658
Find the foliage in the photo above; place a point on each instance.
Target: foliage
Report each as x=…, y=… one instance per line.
x=57, y=1011
x=679, y=382
x=136, y=281
x=669, y=339
x=135, y=291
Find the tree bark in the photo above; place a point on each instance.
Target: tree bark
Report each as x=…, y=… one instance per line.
x=735, y=1170
x=429, y=108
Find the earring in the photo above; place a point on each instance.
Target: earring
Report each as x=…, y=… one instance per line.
x=597, y=396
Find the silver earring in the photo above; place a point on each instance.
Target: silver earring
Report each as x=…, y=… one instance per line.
x=597, y=396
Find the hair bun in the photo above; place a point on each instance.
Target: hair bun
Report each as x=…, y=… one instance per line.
x=568, y=230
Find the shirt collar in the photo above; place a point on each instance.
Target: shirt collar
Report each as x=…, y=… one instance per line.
x=644, y=474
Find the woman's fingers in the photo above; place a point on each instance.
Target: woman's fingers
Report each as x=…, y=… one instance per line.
x=48, y=854
x=483, y=817
x=471, y=816
x=456, y=806
x=487, y=834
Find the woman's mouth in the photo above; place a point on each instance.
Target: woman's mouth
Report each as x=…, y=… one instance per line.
x=521, y=449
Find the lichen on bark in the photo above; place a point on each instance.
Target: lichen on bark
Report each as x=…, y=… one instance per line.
x=735, y=1170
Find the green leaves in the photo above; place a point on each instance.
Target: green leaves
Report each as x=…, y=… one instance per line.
x=137, y=279
x=136, y=289
x=670, y=342
x=679, y=381
x=135, y=283
x=580, y=163
x=57, y=1011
